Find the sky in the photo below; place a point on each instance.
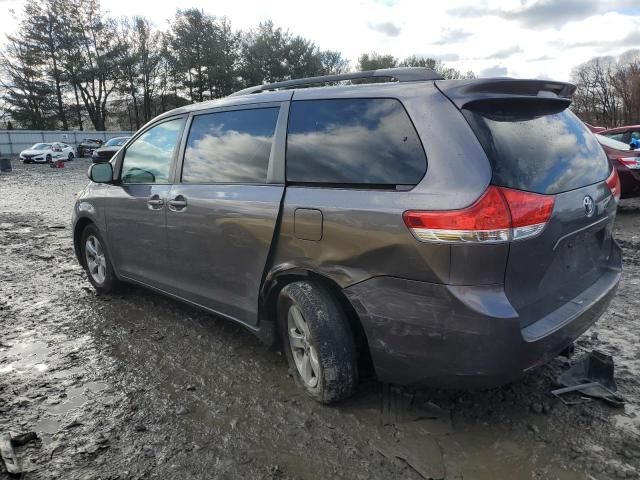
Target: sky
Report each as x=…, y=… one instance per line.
x=517, y=38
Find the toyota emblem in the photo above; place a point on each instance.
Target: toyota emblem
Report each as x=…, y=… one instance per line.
x=589, y=206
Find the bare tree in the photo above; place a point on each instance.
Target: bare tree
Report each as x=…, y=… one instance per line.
x=91, y=57
x=608, y=89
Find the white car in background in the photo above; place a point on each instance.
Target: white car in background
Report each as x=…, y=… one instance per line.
x=47, y=153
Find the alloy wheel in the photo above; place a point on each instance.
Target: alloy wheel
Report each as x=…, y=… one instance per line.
x=304, y=354
x=96, y=260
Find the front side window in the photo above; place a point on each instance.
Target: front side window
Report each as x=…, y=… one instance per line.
x=148, y=159
x=353, y=141
x=230, y=147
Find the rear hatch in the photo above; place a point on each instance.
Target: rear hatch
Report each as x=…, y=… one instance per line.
x=535, y=144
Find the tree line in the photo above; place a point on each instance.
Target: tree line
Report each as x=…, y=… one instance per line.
x=73, y=66
x=608, y=90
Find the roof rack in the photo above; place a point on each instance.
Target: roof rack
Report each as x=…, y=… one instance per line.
x=404, y=74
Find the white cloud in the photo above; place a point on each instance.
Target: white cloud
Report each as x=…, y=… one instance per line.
x=540, y=34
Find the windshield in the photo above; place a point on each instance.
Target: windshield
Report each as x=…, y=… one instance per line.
x=116, y=142
x=41, y=146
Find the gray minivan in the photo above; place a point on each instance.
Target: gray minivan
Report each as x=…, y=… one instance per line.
x=453, y=233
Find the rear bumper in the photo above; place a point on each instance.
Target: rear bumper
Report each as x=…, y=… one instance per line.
x=467, y=337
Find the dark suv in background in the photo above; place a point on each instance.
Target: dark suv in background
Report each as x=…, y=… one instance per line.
x=87, y=146
x=450, y=233
x=109, y=149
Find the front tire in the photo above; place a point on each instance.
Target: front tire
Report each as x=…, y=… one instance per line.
x=70, y=157
x=318, y=341
x=48, y=159
x=96, y=261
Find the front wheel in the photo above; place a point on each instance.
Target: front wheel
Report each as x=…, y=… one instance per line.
x=70, y=157
x=96, y=261
x=48, y=158
x=318, y=341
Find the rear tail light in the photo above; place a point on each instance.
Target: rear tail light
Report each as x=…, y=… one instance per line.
x=629, y=162
x=500, y=215
x=613, y=182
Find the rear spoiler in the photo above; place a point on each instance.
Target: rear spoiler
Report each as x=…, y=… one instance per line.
x=464, y=93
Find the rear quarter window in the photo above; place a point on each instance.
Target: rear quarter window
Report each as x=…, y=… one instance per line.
x=542, y=150
x=353, y=142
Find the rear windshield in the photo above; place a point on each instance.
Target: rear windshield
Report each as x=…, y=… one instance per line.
x=544, y=150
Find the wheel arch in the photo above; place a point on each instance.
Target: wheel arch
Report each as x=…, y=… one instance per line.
x=78, y=228
x=275, y=281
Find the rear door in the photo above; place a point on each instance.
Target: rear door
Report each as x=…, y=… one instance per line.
x=541, y=147
x=223, y=211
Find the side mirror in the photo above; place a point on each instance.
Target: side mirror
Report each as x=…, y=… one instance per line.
x=101, y=173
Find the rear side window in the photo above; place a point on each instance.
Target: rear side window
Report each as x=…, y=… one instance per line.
x=542, y=149
x=354, y=142
x=230, y=147
x=616, y=136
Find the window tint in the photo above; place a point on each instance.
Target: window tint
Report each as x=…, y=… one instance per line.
x=353, y=141
x=538, y=148
x=148, y=159
x=615, y=136
x=230, y=147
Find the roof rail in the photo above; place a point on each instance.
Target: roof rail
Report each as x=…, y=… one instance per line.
x=404, y=74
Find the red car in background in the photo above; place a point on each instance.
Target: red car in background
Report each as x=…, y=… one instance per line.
x=623, y=134
x=626, y=162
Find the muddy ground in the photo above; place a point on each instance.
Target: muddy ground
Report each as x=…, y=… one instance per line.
x=140, y=386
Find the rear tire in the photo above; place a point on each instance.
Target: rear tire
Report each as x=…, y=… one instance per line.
x=317, y=341
x=48, y=159
x=70, y=157
x=96, y=261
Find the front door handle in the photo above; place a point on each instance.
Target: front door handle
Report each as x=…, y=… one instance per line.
x=178, y=204
x=155, y=202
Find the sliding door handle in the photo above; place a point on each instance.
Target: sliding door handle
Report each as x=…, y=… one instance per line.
x=178, y=204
